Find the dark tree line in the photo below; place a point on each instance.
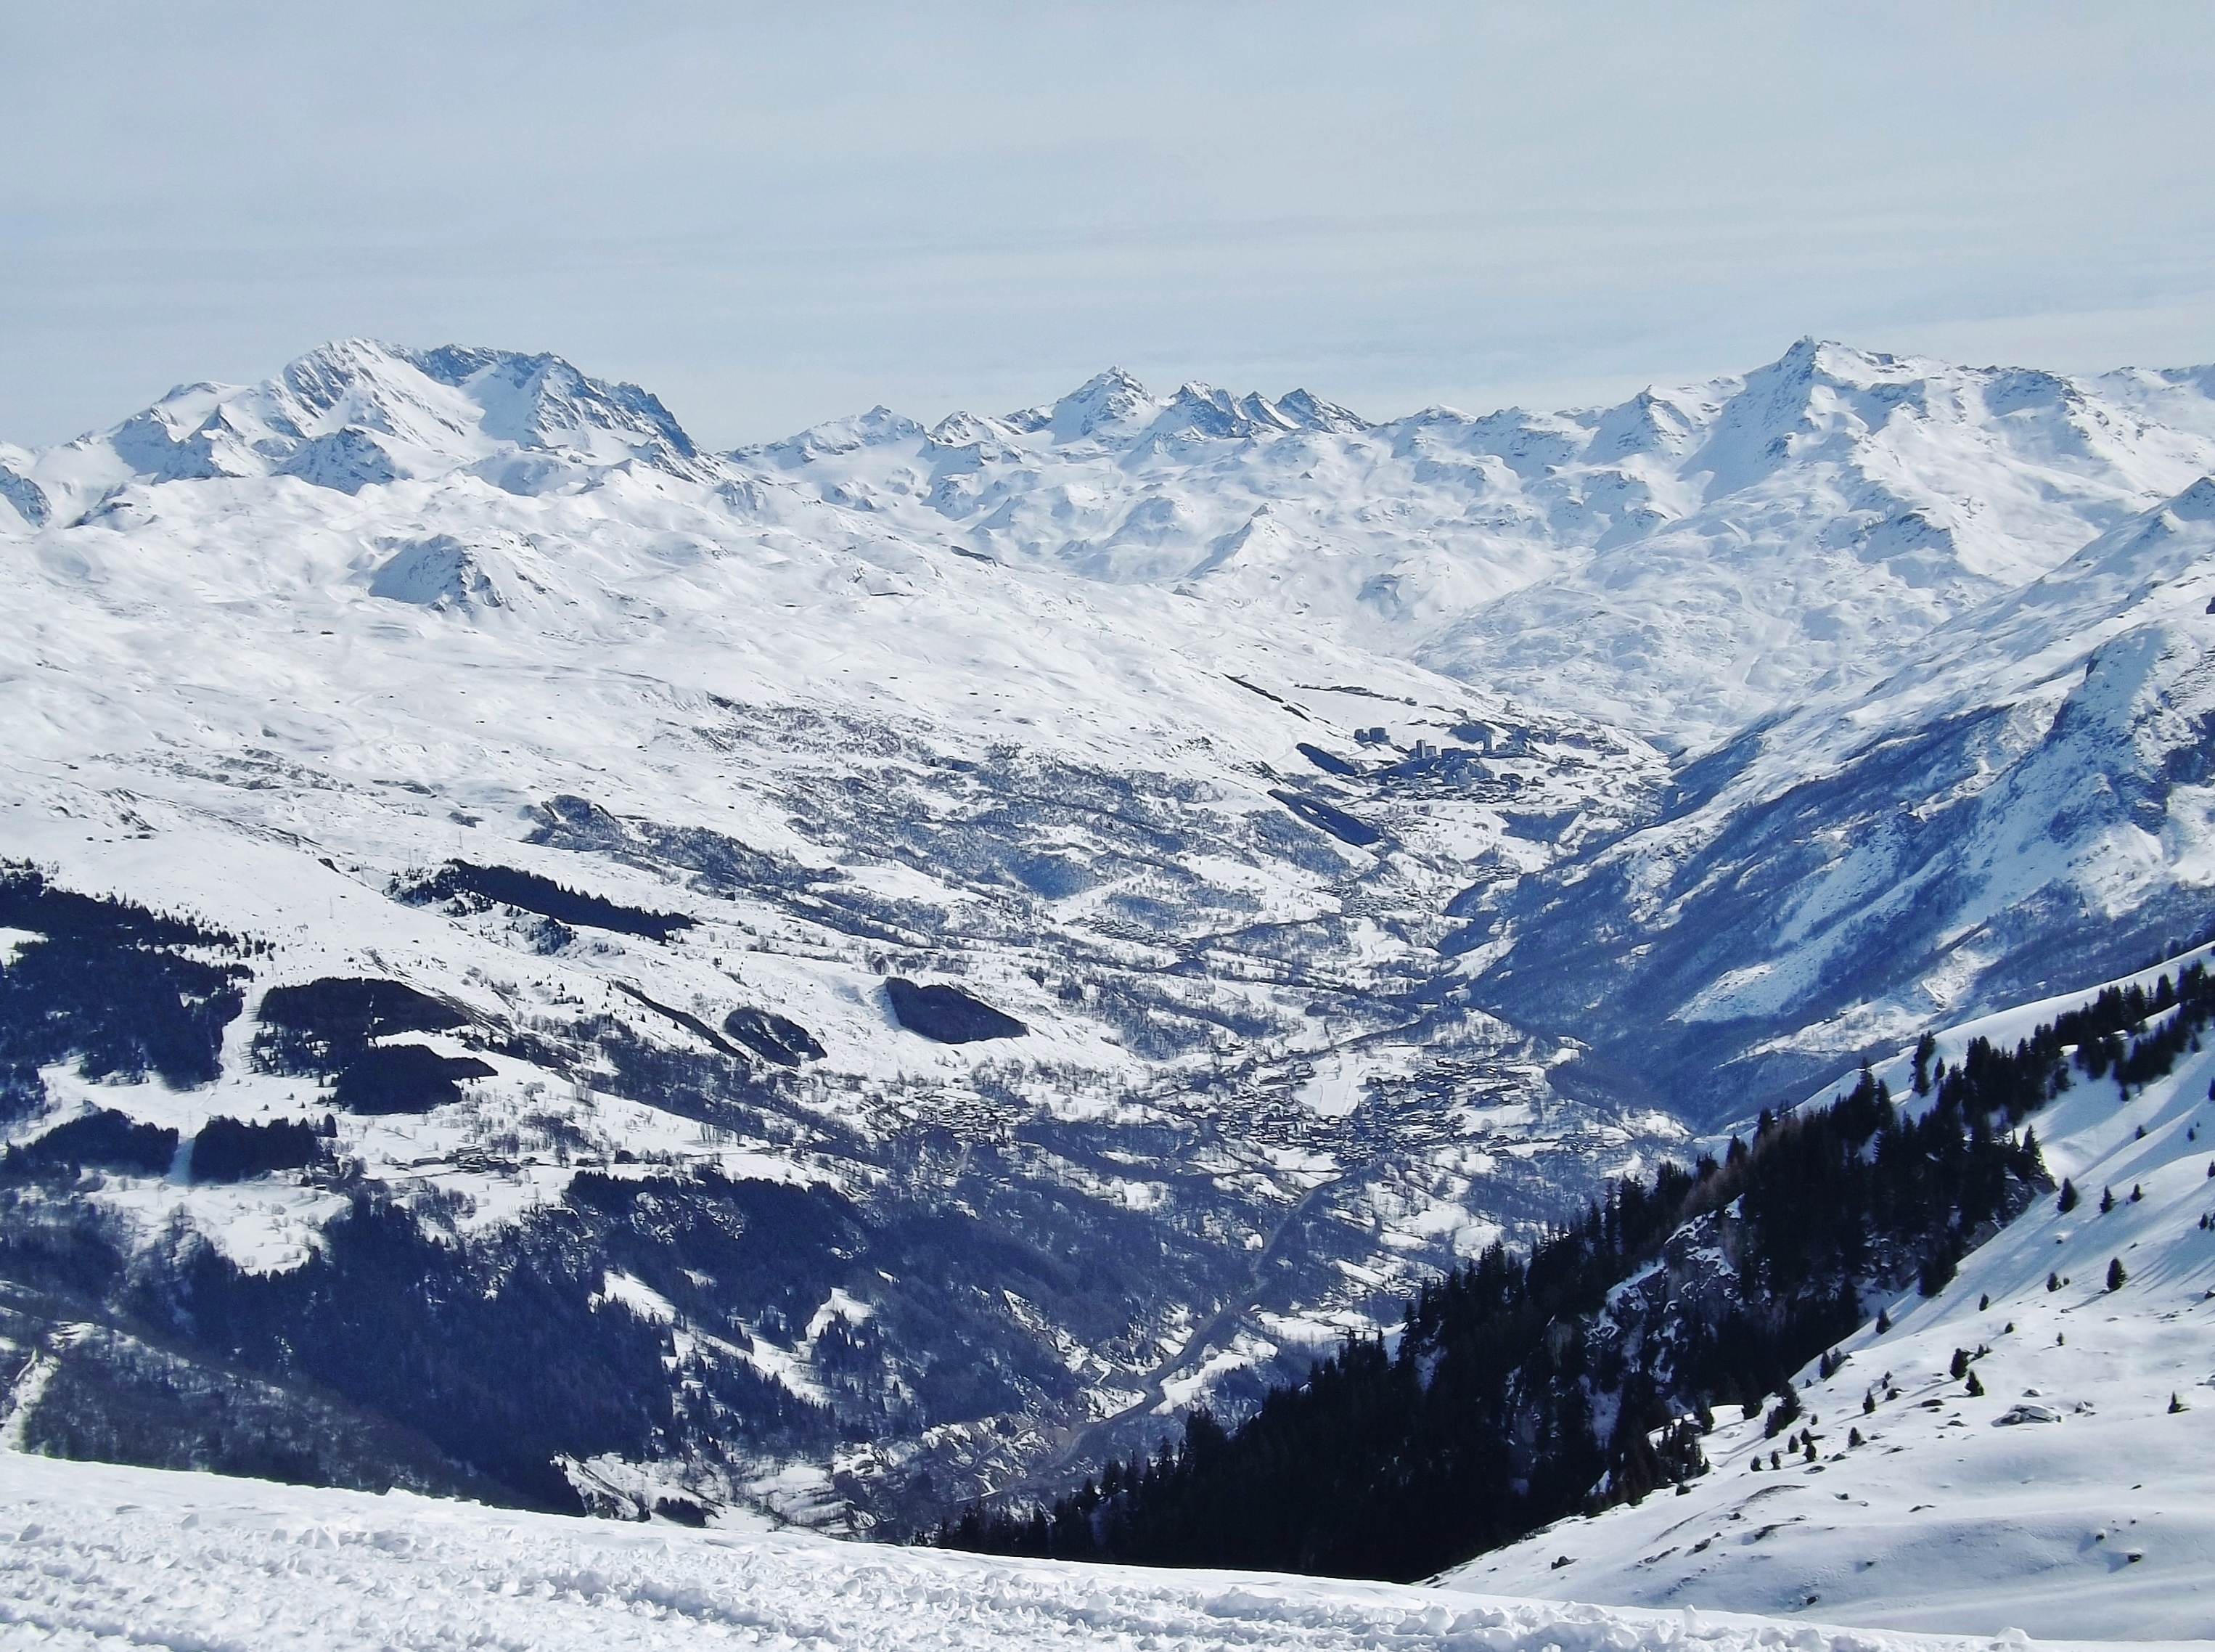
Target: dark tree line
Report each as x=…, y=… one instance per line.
x=225, y=1149
x=1516, y=1392
x=326, y=1028
x=505, y=886
x=2097, y=1028
x=228, y=1149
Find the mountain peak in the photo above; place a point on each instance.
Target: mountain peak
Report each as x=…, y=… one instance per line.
x=542, y=400
x=1202, y=410
x=1113, y=397
x=1312, y=412
x=357, y=412
x=2197, y=502
x=879, y=425
x=1813, y=359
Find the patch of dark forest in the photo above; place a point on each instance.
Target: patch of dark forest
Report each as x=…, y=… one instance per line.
x=947, y=1015
x=124, y=989
x=224, y=1150
x=471, y=887
x=328, y=1030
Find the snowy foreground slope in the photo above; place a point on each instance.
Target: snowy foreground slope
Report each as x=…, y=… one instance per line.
x=2068, y=1499
x=92, y=1555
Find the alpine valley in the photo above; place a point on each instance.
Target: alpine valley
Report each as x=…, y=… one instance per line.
x=846, y=977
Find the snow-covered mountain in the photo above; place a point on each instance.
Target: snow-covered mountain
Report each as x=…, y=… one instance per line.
x=1354, y=840
x=2024, y=798
x=728, y=761
x=1683, y=564
x=357, y=414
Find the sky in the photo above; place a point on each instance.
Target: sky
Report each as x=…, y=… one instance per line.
x=771, y=215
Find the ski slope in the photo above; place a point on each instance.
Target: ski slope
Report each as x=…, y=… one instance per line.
x=2099, y=1522
x=95, y=1556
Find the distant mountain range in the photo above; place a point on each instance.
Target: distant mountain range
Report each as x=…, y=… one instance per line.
x=949, y=944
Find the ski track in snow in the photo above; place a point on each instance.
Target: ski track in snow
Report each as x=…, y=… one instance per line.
x=96, y=1556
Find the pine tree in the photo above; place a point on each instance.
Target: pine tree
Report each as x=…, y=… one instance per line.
x=2107, y=1200
x=1976, y=1388
x=2116, y=1276
x=2067, y=1202
x=1786, y=1413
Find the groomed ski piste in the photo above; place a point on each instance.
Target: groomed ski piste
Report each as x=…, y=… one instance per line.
x=2069, y=1499
x=2072, y=1500
x=96, y=1556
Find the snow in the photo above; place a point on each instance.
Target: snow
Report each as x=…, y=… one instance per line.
x=637, y=1295
x=93, y=1556
x=2024, y=797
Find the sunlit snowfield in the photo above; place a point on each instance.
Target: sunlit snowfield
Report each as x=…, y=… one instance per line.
x=92, y=1555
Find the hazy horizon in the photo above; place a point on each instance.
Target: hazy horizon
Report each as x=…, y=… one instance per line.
x=771, y=219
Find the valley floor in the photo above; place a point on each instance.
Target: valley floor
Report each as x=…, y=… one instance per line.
x=96, y=1555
